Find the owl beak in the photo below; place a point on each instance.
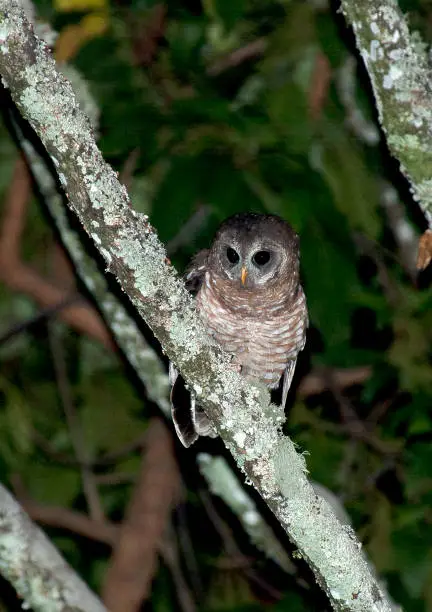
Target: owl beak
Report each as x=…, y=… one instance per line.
x=243, y=275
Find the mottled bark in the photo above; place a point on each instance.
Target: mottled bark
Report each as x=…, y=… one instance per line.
x=401, y=78
x=41, y=577
x=242, y=413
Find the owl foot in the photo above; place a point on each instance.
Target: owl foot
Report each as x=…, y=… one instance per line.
x=235, y=365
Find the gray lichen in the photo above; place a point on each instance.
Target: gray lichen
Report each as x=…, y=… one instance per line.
x=400, y=74
x=41, y=577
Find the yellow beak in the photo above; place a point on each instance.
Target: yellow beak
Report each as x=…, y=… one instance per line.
x=243, y=275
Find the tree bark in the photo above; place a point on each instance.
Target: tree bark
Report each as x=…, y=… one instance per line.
x=41, y=577
x=400, y=75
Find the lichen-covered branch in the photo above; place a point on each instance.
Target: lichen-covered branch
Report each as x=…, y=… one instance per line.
x=242, y=413
x=41, y=577
x=401, y=79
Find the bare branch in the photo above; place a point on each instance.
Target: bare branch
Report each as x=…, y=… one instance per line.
x=107, y=533
x=21, y=277
x=250, y=51
x=71, y=520
x=134, y=560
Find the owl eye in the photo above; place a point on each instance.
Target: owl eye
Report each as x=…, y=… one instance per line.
x=261, y=258
x=232, y=255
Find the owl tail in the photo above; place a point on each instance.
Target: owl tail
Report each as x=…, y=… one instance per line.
x=190, y=420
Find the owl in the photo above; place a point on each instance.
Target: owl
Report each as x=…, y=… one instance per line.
x=249, y=297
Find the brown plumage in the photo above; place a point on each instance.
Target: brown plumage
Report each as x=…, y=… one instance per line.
x=250, y=299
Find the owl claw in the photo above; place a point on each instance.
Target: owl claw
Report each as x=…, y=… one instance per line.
x=235, y=365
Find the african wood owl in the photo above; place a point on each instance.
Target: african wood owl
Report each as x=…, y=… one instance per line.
x=249, y=297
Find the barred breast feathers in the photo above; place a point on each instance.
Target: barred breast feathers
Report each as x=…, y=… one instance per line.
x=263, y=339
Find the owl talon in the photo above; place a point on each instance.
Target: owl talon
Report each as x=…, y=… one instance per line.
x=235, y=367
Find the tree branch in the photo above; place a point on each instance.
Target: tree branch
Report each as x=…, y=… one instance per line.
x=34, y=567
x=247, y=422
x=21, y=277
x=107, y=533
x=134, y=560
x=400, y=76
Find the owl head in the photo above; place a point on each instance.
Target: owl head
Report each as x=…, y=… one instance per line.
x=255, y=251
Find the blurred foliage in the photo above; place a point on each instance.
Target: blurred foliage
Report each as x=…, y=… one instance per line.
x=282, y=127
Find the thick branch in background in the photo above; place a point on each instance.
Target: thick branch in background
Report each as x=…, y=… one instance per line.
x=247, y=422
x=21, y=277
x=34, y=567
x=400, y=74
x=134, y=561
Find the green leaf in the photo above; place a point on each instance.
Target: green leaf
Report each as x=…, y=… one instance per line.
x=15, y=424
x=354, y=187
x=109, y=413
x=412, y=546
x=52, y=484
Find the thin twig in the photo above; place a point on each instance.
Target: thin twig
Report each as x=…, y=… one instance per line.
x=103, y=461
x=107, y=533
x=320, y=84
x=170, y=555
x=187, y=549
x=232, y=548
x=126, y=174
x=77, y=436
x=315, y=383
x=189, y=230
x=71, y=520
x=42, y=315
x=249, y=51
x=115, y=478
x=356, y=428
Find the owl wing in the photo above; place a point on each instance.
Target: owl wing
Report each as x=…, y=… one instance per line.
x=287, y=379
x=299, y=328
x=180, y=412
x=194, y=275
x=190, y=421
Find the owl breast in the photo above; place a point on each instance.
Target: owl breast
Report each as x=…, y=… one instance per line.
x=263, y=338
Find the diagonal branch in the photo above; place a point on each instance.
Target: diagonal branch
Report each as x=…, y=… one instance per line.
x=23, y=278
x=400, y=75
x=242, y=414
x=34, y=567
x=107, y=533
